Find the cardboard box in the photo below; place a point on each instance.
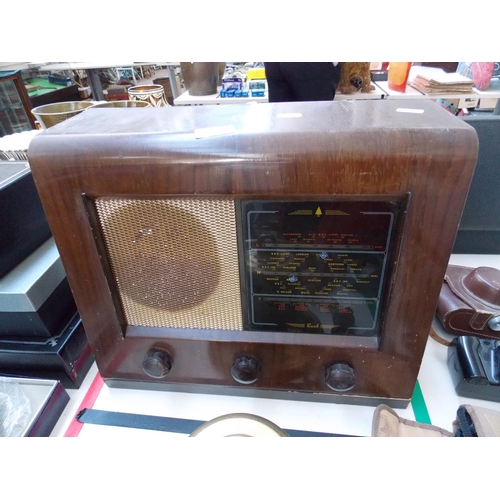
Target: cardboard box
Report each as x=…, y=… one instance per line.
x=468, y=102
x=487, y=103
x=117, y=93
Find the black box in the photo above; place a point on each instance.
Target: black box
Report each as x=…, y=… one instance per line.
x=23, y=225
x=66, y=357
x=47, y=399
x=35, y=298
x=479, y=229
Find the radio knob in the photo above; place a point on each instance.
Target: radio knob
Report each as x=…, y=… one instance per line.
x=340, y=377
x=157, y=363
x=245, y=370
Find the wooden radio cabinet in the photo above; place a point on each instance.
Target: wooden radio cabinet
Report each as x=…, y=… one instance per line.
x=291, y=250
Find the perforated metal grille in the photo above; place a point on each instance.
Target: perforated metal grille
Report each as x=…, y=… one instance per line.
x=175, y=261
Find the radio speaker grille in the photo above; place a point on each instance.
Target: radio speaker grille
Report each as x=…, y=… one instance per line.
x=174, y=261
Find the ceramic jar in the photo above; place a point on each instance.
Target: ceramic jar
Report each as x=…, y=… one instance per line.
x=152, y=94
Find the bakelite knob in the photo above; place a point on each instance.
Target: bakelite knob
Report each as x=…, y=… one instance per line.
x=340, y=377
x=157, y=363
x=245, y=369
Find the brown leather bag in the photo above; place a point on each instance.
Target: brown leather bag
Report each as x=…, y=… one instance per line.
x=469, y=302
x=471, y=421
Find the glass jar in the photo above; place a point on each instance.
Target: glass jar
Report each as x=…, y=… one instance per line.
x=397, y=76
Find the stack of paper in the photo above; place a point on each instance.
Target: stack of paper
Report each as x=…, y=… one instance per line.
x=15, y=146
x=436, y=81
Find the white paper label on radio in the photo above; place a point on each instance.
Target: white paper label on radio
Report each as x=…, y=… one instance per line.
x=201, y=133
x=409, y=110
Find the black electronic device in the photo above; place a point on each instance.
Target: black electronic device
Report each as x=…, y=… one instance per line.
x=475, y=367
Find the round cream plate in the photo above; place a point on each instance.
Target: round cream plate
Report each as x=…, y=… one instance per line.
x=239, y=425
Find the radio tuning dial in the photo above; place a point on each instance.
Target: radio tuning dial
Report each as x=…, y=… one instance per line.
x=340, y=377
x=157, y=363
x=245, y=369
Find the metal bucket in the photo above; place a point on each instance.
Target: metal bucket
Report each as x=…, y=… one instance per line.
x=167, y=88
x=49, y=115
x=200, y=78
x=122, y=104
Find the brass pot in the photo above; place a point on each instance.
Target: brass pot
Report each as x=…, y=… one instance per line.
x=49, y=115
x=122, y=104
x=200, y=78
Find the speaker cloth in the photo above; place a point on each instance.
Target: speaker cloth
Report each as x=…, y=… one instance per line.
x=174, y=260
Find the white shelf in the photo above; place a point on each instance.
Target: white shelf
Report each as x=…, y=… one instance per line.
x=471, y=100
x=410, y=92
x=186, y=99
x=378, y=93
x=488, y=98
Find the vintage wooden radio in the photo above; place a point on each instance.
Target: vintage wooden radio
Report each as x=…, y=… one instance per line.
x=291, y=250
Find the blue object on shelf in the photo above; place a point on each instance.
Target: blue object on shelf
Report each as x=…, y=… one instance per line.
x=60, y=80
x=232, y=83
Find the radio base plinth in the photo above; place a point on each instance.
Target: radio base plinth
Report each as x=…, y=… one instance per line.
x=257, y=393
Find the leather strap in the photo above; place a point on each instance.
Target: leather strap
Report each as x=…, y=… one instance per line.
x=165, y=424
x=434, y=335
x=460, y=318
x=480, y=319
